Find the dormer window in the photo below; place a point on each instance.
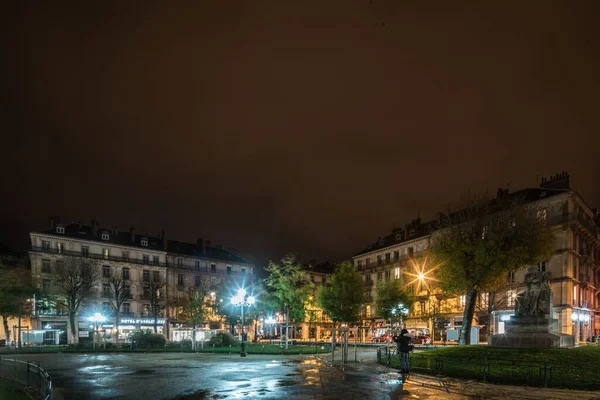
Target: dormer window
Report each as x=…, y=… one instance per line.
x=144, y=242
x=381, y=242
x=105, y=236
x=60, y=229
x=398, y=236
x=412, y=233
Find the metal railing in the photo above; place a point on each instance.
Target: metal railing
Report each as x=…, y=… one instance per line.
x=29, y=374
x=95, y=256
x=544, y=373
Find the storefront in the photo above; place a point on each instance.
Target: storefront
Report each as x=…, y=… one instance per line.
x=127, y=326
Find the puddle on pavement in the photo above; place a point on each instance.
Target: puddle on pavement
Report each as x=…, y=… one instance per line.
x=286, y=383
x=144, y=372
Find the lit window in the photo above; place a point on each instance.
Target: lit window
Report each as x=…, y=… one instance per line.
x=105, y=236
x=105, y=253
x=462, y=301
x=60, y=229
x=511, y=298
x=484, y=300
x=397, y=273
x=542, y=266
x=60, y=247
x=542, y=214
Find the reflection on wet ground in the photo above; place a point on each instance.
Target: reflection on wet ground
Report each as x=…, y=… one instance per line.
x=207, y=376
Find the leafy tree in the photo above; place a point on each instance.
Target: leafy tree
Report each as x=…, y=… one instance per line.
x=197, y=307
x=286, y=283
x=15, y=290
x=392, y=300
x=483, y=241
x=342, y=300
x=75, y=281
x=120, y=292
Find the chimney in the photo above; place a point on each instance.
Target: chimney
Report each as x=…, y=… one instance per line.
x=558, y=181
x=405, y=232
x=132, y=231
x=206, y=243
x=164, y=239
x=202, y=245
x=54, y=220
x=95, y=227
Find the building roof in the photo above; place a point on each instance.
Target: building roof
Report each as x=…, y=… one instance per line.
x=195, y=250
x=86, y=232
x=419, y=230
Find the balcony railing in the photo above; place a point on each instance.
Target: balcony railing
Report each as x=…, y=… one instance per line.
x=130, y=260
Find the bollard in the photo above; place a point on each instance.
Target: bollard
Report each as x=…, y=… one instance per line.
x=27, y=376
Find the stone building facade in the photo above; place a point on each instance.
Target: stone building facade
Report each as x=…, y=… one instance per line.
x=140, y=259
x=574, y=270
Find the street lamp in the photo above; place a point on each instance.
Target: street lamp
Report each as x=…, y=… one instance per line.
x=96, y=318
x=242, y=300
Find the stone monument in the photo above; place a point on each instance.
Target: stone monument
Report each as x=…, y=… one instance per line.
x=533, y=325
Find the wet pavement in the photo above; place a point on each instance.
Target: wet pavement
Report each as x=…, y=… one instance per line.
x=215, y=376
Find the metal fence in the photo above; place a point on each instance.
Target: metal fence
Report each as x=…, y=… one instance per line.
x=27, y=373
x=509, y=371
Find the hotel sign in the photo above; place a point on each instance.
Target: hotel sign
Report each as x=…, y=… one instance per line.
x=142, y=321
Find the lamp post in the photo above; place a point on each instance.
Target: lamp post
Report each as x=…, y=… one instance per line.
x=96, y=318
x=242, y=300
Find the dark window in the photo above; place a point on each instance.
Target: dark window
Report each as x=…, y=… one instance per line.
x=46, y=266
x=155, y=276
x=378, y=260
x=410, y=251
x=106, y=290
x=312, y=278
x=125, y=255
x=126, y=308
x=228, y=269
x=359, y=264
x=85, y=251
x=387, y=258
x=106, y=271
x=213, y=268
x=155, y=260
x=127, y=291
x=146, y=275
x=368, y=261
x=106, y=307
x=45, y=245
x=146, y=259
x=197, y=265
x=180, y=262
x=197, y=277
x=243, y=270
x=126, y=274
x=46, y=285
x=396, y=255
x=542, y=266
x=180, y=279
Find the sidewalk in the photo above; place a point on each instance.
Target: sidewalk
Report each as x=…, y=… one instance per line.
x=431, y=387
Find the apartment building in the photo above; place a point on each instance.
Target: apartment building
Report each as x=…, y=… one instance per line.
x=573, y=269
x=141, y=260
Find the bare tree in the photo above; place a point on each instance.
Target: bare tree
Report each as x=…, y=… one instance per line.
x=153, y=288
x=75, y=282
x=120, y=292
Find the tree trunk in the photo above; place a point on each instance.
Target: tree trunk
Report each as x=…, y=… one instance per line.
x=6, y=329
x=116, y=331
x=465, y=331
x=287, y=328
x=194, y=337
x=155, y=324
x=74, y=336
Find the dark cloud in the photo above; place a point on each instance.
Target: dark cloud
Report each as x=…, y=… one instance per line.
x=275, y=127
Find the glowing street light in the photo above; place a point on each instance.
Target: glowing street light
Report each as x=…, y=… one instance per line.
x=96, y=319
x=242, y=300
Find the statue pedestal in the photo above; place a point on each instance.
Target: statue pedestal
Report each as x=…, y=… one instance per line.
x=532, y=332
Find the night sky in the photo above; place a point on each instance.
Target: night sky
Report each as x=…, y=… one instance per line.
x=276, y=127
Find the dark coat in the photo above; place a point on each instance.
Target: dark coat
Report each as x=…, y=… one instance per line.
x=404, y=343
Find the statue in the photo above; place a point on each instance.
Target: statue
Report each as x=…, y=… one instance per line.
x=537, y=298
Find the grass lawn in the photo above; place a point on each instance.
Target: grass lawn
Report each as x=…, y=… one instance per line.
x=11, y=390
x=568, y=367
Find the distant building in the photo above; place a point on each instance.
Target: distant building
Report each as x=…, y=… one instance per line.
x=574, y=270
x=140, y=259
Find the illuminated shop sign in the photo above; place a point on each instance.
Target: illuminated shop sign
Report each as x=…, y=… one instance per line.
x=142, y=321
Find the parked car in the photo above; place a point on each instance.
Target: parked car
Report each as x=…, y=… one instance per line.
x=420, y=339
x=382, y=339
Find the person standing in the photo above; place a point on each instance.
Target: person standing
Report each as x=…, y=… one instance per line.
x=403, y=342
